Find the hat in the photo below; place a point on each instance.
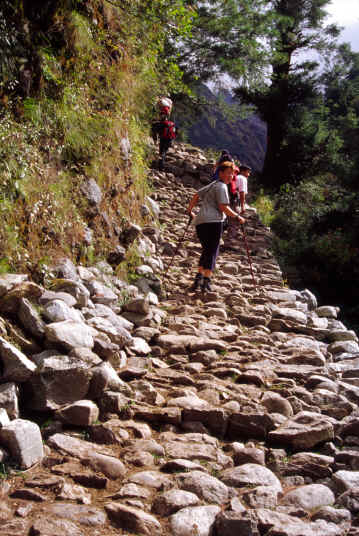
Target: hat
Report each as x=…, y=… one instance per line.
x=244, y=167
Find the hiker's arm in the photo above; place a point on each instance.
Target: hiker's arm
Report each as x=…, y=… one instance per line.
x=229, y=212
x=242, y=198
x=192, y=204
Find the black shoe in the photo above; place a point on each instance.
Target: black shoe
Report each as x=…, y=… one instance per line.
x=197, y=282
x=206, y=284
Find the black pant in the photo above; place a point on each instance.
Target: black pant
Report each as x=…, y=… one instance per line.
x=209, y=234
x=164, y=146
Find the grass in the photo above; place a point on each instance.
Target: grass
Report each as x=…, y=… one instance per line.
x=70, y=130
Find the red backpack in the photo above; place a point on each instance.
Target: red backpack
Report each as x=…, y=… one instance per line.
x=168, y=130
x=233, y=185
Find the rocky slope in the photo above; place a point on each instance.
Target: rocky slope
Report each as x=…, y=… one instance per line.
x=228, y=413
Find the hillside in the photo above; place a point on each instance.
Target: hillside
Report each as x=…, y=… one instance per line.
x=245, y=138
x=208, y=414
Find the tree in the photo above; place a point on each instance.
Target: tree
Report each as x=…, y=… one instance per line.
x=298, y=27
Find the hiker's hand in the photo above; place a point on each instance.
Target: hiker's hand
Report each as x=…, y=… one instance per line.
x=241, y=220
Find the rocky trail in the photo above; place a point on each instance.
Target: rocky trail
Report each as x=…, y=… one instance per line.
x=227, y=413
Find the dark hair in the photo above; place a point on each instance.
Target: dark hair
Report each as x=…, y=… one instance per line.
x=244, y=167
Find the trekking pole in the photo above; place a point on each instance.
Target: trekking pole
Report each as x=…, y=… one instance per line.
x=178, y=245
x=248, y=255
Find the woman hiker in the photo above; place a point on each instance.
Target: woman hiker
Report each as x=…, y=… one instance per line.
x=209, y=221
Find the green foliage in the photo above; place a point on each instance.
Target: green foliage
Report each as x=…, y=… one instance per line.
x=316, y=227
x=265, y=207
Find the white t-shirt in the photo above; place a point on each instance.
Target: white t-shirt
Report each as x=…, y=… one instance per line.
x=241, y=183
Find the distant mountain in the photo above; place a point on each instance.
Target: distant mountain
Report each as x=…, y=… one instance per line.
x=243, y=137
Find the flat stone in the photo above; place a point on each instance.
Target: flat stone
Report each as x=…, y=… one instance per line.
x=74, y=492
x=250, y=474
x=82, y=514
x=77, y=448
x=181, y=344
x=303, y=431
x=133, y=519
x=286, y=525
x=108, y=465
x=310, y=497
x=173, y=500
x=197, y=520
x=205, y=486
x=151, y=479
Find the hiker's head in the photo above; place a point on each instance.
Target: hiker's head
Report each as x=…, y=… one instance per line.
x=245, y=170
x=226, y=171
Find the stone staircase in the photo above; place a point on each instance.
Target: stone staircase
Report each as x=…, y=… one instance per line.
x=227, y=413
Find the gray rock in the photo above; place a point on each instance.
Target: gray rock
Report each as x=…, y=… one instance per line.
x=275, y=523
x=16, y=366
x=181, y=344
x=9, y=401
x=58, y=381
x=9, y=281
x=4, y=418
x=276, y=404
x=309, y=497
x=108, y=465
x=30, y=319
x=250, y=474
x=117, y=334
x=173, y=500
x=346, y=480
x=78, y=448
x=310, y=299
x=84, y=515
x=327, y=311
x=133, y=519
x=151, y=479
x=350, y=500
x=338, y=516
x=343, y=346
x=58, y=311
x=303, y=431
x=234, y=524
x=70, y=334
x=64, y=268
x=44, y=526
x=205, y=486
x=24, y=442
x=91, y=190
x=197, y=520
x=79, y=413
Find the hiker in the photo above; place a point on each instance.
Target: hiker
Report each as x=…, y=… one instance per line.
x=225, y=157
x=165, y=131
x=209, y=222
x=242, y=185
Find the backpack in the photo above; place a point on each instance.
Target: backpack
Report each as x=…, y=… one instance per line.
x=233, y=186
x=168, y=130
